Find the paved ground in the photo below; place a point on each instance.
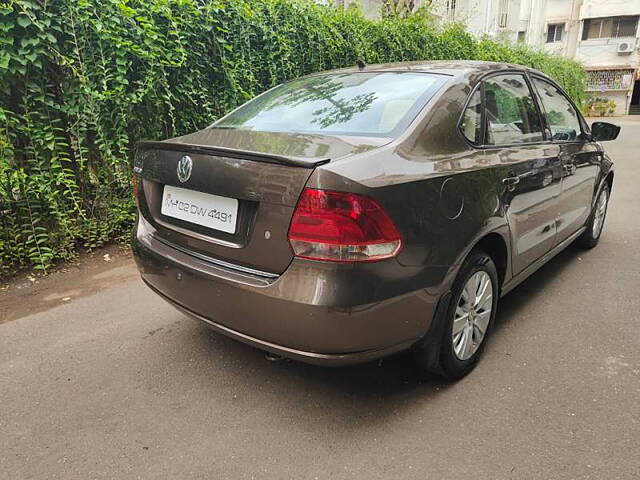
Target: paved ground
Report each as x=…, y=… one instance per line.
x=113, y=383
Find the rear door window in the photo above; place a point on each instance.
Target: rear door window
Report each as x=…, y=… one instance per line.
x=471, y=124
x=560, y=115
x=512, y=116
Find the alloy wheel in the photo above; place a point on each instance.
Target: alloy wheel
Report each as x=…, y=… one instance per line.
x=599, y=214
x=472, y=315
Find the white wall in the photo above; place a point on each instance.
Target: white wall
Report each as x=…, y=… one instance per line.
x=622, y=100
x=604, y=52
x=476, y=14
x=370, y=8
x=609, y=8
x=481, y=17
x=537, y=15
x=556, y=11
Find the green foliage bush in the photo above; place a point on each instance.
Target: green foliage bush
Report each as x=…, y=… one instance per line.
x=82, y=81
x=599, y=107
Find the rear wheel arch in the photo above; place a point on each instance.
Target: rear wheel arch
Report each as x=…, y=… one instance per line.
x=437, y=351
x=609, y=180
x=605, y=180
x=494, y=245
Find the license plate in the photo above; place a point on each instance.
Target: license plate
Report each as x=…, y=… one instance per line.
x=212, y=211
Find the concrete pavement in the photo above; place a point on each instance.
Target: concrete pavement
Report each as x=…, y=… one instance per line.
x=113, y=383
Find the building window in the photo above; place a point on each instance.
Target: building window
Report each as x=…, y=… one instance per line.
x=609, y=27
x=451, y=9
x=522, y=36
x=604, y=80
x=554, y=32
x=503, y=13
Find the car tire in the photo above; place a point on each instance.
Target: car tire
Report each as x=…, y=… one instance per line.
x=591, y=236
x=478, y=269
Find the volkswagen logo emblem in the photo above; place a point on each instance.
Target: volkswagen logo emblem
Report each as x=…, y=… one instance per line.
x=184, y=168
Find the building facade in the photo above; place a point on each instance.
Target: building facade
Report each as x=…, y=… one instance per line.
x=370, y=8
x=496, y=18
x=602, y=34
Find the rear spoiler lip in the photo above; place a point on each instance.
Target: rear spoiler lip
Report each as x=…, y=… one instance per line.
x=234, y=153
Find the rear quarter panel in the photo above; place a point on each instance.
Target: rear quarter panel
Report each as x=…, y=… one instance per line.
x=443, y=194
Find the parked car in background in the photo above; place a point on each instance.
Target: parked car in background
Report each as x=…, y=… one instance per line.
x=348, y=215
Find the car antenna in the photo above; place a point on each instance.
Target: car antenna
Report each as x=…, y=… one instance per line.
x=360, y=64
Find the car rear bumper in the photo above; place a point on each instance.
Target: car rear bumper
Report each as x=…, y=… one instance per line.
x=324, y=359
x=314, y=312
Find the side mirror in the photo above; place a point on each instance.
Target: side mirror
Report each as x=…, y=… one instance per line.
x=604, y=131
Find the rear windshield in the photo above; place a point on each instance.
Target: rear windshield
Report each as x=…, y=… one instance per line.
x=367, y=104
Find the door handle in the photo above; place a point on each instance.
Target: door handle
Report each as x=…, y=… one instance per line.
x=511, y=182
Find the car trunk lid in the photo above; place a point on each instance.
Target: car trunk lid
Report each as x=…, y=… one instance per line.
x=259, y=174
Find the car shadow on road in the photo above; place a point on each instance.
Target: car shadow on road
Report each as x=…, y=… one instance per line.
x=528, y=291
x=375, y=383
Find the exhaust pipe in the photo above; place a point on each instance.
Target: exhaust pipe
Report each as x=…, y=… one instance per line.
x=272, y=357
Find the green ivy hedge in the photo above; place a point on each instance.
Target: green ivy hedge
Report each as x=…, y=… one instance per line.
x=82, y=81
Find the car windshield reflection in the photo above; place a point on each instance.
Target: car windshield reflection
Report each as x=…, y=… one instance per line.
x=377, y=104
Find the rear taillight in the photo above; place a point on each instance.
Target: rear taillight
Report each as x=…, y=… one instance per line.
x=342, y=227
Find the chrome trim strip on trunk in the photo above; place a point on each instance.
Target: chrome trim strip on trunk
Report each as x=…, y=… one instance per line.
x=215, y=261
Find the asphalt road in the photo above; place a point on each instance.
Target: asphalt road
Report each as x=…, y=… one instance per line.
x=103, y=380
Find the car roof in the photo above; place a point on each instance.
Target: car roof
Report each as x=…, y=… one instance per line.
x=447, y=67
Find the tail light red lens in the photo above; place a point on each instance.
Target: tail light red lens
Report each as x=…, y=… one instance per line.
x=342, y=227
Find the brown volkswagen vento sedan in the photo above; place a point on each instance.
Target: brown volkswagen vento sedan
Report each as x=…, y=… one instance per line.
x=352, y=214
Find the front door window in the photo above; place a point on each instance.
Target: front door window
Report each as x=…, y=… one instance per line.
x=512, y=117
x=558, y=112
